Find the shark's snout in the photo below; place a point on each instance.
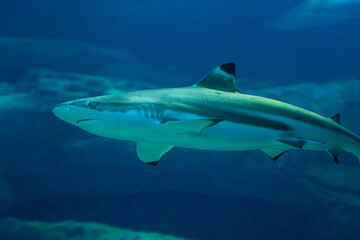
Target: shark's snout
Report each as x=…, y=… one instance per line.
x=61, y=109
x=64, y=112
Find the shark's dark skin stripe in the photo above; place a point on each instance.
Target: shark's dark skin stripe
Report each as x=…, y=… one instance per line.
x=304, y=116
x=240, y=118
x=261, y=122
x=230, y=111
x=268, y=106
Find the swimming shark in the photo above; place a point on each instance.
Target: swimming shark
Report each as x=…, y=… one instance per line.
x=210, y=115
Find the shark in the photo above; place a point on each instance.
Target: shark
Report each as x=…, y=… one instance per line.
x=210, y=115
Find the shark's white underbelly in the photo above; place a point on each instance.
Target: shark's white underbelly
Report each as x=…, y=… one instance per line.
x=224, y=136
x=228, y=136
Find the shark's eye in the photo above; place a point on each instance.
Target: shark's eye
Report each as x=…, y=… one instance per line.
x=90, y=104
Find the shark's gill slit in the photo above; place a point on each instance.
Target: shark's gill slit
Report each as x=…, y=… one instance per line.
x=86, y=120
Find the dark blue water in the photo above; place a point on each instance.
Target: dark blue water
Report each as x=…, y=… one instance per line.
x=189, y=37
x=52, y=171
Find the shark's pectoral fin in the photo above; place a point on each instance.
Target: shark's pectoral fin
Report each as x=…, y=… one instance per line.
x=151, y=153
x=302, y=143
x=274, y=154
x=190, y=127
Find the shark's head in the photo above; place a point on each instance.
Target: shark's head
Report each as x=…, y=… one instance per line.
x=79, y=112
x=107, y=116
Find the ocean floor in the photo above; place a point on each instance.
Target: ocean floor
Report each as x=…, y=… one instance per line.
x=12, y=228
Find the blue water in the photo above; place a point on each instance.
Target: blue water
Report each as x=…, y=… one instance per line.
x=52, y=171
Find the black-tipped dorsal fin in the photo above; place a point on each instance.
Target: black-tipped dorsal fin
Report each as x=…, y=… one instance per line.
x=336, y=118
x=220, y=78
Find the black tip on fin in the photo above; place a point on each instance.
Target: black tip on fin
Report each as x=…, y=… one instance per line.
x=277, y=157
x=221, y=78
x=228, y=68
x=336, y=118
x=153, y=163
x=334, y=155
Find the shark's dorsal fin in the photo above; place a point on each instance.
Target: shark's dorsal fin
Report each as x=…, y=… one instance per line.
x=220, y=78
x=336, y=118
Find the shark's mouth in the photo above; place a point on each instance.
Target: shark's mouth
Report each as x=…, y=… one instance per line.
x=87, y=120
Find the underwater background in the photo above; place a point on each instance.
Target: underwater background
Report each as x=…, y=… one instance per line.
x=306, y=53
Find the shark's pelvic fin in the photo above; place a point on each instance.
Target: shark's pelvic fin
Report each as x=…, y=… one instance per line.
x=150, y=153
x=301, y=143
x=334, y=154
x=336, y=118
x=220, y=78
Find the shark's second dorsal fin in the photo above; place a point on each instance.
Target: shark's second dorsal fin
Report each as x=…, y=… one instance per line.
x=220, y=78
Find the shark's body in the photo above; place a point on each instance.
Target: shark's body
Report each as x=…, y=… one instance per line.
x=211, y=115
